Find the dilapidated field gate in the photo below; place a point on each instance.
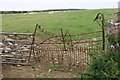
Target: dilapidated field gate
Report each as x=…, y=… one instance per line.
x=16, y=48
x=70, y=55
x=71, y=52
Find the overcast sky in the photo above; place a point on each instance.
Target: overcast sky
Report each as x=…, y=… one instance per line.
x=56, y=4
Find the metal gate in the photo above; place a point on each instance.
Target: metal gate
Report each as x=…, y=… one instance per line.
x=16, y=48
x=70, y=51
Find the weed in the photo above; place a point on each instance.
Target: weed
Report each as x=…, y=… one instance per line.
x=54, y=67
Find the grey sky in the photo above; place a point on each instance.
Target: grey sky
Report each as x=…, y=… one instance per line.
x=56, y=4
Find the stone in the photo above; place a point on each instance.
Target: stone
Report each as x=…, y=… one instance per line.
x=71, y=70
x=20, y=68
x=6, y=51
x=49, y=70
x=16, y=44
x=8, y=48
x=1, y=44
x=10, y=43
x=18, y=65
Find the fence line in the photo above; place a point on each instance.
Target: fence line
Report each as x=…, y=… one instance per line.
x=71, y=54
x=75, y=60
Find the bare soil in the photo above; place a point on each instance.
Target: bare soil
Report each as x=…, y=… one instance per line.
x=35, y=71
x=11, y=71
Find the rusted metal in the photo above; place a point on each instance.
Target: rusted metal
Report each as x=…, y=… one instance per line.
x=25, y=64
x=14, y=33
x=74, y=42
x=72, y=55
x=63, y=39
x=14, y=59
x=15, y=40
x=73, y=58
x=101, y=17
x=71, y=44
x=11, y=55
x=15, y=47
x=33, y=40
x=84, y=33
x=14, y=50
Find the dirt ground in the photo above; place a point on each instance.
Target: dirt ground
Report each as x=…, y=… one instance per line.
x=35, y=71
x=10, y=71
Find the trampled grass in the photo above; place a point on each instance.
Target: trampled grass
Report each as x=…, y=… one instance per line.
x=75, y=21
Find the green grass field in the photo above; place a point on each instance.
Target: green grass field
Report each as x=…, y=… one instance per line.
x=75, y=21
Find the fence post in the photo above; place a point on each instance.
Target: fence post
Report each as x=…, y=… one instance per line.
x=32, y=45
x=63, y=39
x=103, y=31
x=71, y=44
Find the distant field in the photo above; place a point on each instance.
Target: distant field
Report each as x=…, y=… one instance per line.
x=75, y=21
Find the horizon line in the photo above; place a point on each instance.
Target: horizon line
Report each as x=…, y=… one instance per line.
x=61, y=9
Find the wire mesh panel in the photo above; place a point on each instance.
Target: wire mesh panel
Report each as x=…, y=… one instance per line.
x=70, y=51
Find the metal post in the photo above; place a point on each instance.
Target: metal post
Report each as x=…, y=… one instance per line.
x=32, y=45
x=63, y=39
x=103, y=32
x=101, y=16
x=71, y=44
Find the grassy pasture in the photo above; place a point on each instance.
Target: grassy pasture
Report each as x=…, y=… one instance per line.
x=75, y=21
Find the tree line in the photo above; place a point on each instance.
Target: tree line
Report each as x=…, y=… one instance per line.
x=14, y=12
